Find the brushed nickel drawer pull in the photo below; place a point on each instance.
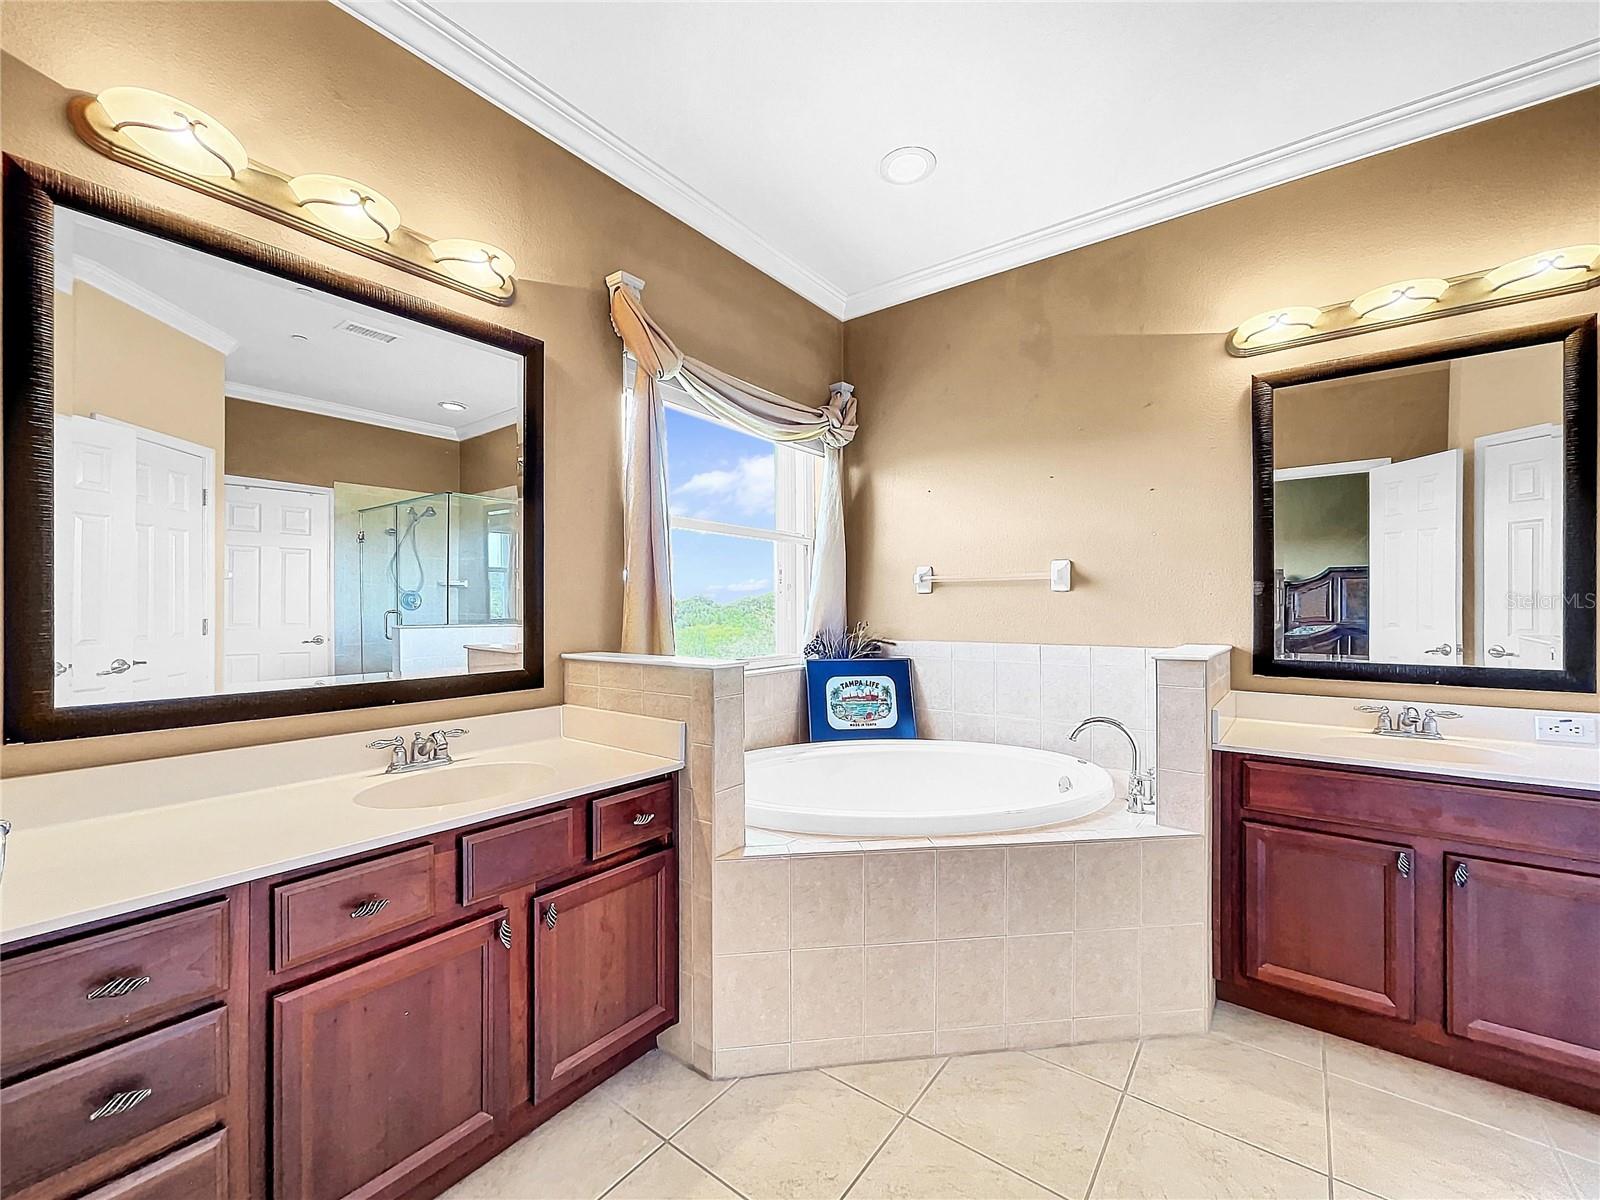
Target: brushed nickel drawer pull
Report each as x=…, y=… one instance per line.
x=550, y=916
x=505, y=934
x=1403, y=865
x=369, y=908
x=111, y=989
x=121, y=1103
x=644, y=818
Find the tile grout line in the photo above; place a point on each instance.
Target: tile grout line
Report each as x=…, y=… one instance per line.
x=1450, y=1112
x=987, y=1157
x=1327, y=1109
x=873, y=1157
x=1105, y=1143
x=660, y=1141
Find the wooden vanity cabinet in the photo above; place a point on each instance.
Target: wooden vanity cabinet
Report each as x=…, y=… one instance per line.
x=1330, y=916
x=1450, y=920
x=375, y=1026
x=604, y=967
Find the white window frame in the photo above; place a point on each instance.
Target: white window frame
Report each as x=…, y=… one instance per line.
x=798, y=471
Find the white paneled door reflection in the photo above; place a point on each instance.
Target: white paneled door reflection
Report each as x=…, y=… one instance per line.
x=1520, y=574
x=1415, y=544
x=277, y=576
x=133, y=564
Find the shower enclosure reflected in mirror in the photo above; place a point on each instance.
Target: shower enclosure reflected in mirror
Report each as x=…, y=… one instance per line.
x=264, y=485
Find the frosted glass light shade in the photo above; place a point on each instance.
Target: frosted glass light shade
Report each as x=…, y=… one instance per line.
x=1401, y=299
x=346, y=207
x=1547, y=269
x=1277, y=325
x=175, y=134
x=473, y=262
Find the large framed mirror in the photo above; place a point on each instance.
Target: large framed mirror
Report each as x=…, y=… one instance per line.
x=1428, y=516
x=241, y=485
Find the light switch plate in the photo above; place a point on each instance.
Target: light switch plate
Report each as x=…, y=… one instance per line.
x=1570, y=729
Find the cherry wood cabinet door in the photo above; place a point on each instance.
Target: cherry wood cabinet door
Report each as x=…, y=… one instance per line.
x=1522, y=953
x=1331, y=917
x=384, y=1071
x=604, y=968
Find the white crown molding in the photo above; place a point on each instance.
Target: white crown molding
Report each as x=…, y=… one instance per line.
x=487, y=424
x=331, y=408
x=1535, y=82
x=436, y=39
x=433, y=37
x=120, y=287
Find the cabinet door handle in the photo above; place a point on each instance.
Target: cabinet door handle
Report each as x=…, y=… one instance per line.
x=121, y=1103
x=504, y=933
x=111, y=989
x=550, y=915
x=1459, y=875
x=1402, y=863
x=368, y=908
x=643, y=818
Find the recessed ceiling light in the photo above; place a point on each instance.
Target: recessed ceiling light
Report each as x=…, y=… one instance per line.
x=452, y=406
x=908, y=164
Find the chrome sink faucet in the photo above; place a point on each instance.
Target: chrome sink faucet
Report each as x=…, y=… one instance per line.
x=1409, y=723
x=425, y=750
x=1141, y=784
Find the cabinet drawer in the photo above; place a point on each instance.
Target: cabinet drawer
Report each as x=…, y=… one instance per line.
x=624, y=820
x=198, y=1171
x=74, y=996
x=518, y=855
x=72, y=1113
x=344, y=908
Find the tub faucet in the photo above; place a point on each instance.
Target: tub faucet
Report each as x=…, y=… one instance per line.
x=1141, y=784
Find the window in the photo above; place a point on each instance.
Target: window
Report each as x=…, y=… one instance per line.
x=742, y=512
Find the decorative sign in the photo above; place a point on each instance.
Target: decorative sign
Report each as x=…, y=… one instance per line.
x=860, y=698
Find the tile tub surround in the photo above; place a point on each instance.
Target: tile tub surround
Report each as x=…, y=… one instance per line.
x=832, y=958
x=1116, y=1119
x=775, y=707
x=707, y=695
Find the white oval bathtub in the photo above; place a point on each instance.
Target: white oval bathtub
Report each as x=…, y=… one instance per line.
x=917, y=788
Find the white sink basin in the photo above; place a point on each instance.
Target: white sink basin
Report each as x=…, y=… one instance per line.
x=460, y=783
x=1443, y=753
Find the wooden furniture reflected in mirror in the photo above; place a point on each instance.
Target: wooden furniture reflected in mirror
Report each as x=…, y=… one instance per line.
x=1427, y=516
x=239, y=484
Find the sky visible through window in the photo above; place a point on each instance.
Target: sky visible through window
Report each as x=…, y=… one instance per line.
x=722, y=586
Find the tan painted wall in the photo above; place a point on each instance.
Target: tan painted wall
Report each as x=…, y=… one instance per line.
x=489, y=461
x=1399, y=416
x=1084, y=406
x=308, y=88
x=286, y=444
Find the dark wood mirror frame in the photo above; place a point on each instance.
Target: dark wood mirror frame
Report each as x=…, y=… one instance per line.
x=31, y=194
x=1577, y=337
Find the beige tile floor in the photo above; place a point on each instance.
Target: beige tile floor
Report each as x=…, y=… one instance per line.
x=1256, y=1108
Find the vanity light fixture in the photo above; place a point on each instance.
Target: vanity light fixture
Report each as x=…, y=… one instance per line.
x=477, y=263
x=1536, y=272
x=1548, y=273
x=182, y=144
x=1277, y=325
x=184, y=137
x=346, y=207
x=1399, y=299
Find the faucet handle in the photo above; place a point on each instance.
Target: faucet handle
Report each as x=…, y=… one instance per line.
x=1431, y=719
x=386, y=743
x=1372, y=708
x=1385, y=720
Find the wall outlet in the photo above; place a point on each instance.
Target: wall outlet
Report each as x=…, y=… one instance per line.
x=1571, y=729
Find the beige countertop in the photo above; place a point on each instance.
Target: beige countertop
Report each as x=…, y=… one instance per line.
x=102, y=842
x=1491, y=744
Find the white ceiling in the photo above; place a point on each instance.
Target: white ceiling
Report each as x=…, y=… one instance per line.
x=1055, y=125
x=251, y=317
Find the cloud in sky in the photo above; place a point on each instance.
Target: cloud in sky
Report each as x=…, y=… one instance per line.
x=745, y=489
x=743, y=586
